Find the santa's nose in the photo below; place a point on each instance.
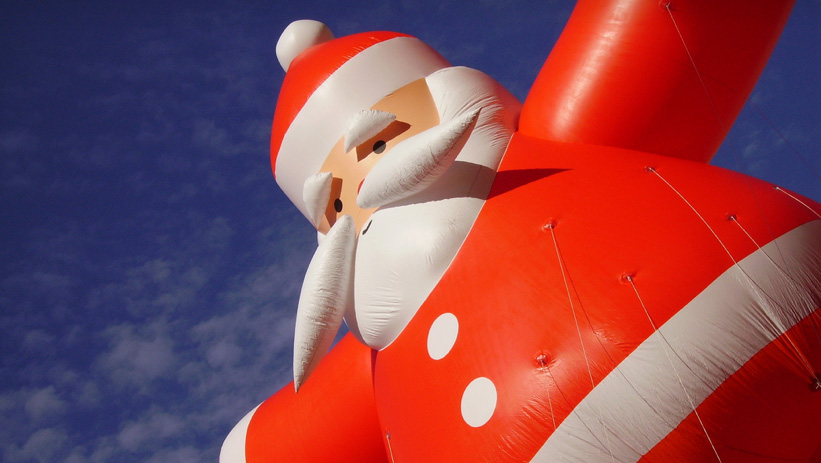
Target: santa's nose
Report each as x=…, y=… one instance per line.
x=233, y=449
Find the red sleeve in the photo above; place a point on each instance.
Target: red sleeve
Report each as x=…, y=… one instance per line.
x=333, y=418
x=620, y=74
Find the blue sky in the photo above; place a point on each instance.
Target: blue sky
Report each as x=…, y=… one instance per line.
x=150, y=266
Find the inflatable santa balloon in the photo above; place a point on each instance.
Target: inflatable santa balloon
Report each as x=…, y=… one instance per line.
x=565, y=280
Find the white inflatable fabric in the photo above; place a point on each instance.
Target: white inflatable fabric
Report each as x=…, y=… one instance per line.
x=409, y=243
x=298, y=36
x=366, y=124
x=316, y=193
x=324, y=298
x=416, y=163
x=233, y=448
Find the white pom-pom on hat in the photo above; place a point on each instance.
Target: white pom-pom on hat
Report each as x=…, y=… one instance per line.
x=299, y=36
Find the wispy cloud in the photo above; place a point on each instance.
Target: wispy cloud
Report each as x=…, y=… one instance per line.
x=18, y=140
x=136, y=358
x=154, y=425
x=44, y=445
x=45, y=403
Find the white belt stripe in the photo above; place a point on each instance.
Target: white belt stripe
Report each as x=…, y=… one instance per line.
x=712, y=337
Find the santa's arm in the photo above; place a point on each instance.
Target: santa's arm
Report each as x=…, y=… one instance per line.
x=665, y=77
x=333, y=418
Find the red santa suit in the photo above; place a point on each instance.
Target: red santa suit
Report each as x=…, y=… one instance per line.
x=615, y=299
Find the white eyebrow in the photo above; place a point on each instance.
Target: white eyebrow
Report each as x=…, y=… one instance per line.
x=316, y=192
x=364, y=125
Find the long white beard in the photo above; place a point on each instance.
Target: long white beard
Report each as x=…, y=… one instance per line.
x=325, y=296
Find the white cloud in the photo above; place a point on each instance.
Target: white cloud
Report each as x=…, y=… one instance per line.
x=44, y=403
x=186, y=454
x=106, y=449
x=17, y=140
x=153, y=426
x=45, y=445
x=219, y=233
x=156, y=286
x=77, y=455
x=137, y=357
x=207, y=135
x=44, y=284
x=38, y=341
x=223, y=354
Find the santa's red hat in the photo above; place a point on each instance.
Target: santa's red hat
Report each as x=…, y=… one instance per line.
x=327, y=82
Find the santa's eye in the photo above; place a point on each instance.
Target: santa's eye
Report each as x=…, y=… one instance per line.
x=338, y=205
x=379, y=146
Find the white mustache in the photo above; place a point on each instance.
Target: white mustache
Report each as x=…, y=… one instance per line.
x=325, y=294
x=414, y=164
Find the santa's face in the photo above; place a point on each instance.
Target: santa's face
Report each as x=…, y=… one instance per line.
x=394, y=200
x=415, y=112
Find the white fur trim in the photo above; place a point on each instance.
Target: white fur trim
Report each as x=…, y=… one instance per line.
x=233, y=448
